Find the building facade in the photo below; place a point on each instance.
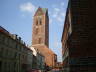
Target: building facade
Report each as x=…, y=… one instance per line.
x=40, y=36
x=38, y=60
x=78, y=38
x=65, y=48
x=15, y=56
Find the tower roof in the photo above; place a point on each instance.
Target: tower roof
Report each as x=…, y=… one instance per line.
x=44, y=10
x=41, y=11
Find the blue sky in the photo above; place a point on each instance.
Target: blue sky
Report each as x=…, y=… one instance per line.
x=16, y=16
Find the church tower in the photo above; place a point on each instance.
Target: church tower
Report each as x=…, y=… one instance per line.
x=40, y=33
x=40, y=36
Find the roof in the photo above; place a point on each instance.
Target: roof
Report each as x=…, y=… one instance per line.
x=44, y=49
x=44, y=10
x=4, y=30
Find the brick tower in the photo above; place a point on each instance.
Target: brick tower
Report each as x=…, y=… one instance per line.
x=41, y=27
x=40, y=36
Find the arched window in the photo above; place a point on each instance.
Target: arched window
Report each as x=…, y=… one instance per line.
x=36, y=22
x=37, y=30
x=39, y=41
x=40, y=22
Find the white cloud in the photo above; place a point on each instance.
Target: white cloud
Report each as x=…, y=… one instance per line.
x=57, y=43
x=55, y=12
x=54, y=15
x=60, y=19
x=57, y=9
x=63, y=14
x=27, y=7
x=58, y=13
x=59, y=16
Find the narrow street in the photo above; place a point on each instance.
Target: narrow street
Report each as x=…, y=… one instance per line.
x=47, y=36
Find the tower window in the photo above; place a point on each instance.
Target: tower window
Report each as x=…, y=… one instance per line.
x=40, y=22
x=39, y=40
x=37, y=30
x=37, y=22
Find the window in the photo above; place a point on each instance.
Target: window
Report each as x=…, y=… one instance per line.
x=5, y=40
x=1, y=52
x=36, y=22
x=1, y=37
x=39, y=40
x=19, y=56
x=6, y=53
x=5, y=65
x=40, y=22
x=0, y=65
x=14, y=64
x=15, y=55
x=16, y=46
x=37, y=30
